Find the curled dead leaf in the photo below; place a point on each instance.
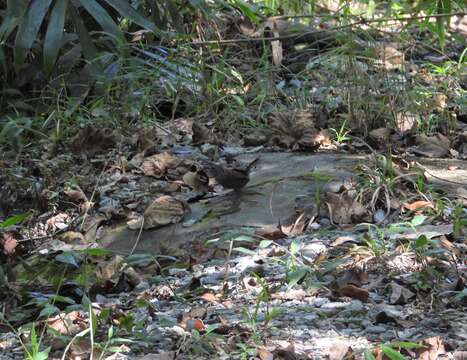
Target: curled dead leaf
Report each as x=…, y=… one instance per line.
x=417, y=205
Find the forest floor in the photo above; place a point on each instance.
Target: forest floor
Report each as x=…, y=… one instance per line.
x=118, y=243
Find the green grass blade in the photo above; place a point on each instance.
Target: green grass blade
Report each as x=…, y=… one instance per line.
x=103, y=18
x=54, y=35
x=28, y=29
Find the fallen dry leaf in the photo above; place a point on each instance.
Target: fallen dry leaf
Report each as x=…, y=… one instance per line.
x=390, y=57
x=339, y=351
x=417, y=205
x=434, y=347
x=9, y=243
x=58, y=222
x=157, y=165
x=68, y=324
x=265, y=354
x=399, y=294
x=72, y=237
x=210, y=297
x=270, y=233
x=341, y=208
x=353, y=292
x=111, y=269
x=76, y=195
x=286, y=353
x=354, y=276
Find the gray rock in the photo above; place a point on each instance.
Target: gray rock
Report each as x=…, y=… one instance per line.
x=333, y=307
x=142, y=286
x=314, y=249
x=376, y=329
x=319, y=301
x=355, y=305
x=379, y=216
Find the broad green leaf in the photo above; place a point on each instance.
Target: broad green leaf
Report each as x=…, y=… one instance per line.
x=54, y=34
x=14, y=13
x=247, y=10
x=14, y=220
x=89, y=50
x=391, y=353
x=28, y=29
x=126, y=10
x=103, y=18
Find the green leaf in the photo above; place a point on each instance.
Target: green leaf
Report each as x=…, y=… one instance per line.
x=87, y=45
x=297, y=274
x=244, y=251
x=418, y=220
x=126, y=10
x=245, y=238
x=265, y=243
x=28, y=29
x=367, y=355
x=295, y=247
x=247, y=10
x=43, y=355
x=67, y=258
x=96, y=252
x=406, y=345
x=103, y=18
x=48, y=310
x=14, y=220
x=14, y=13
x=421, y=242
x=391, y=353
x=54, y=35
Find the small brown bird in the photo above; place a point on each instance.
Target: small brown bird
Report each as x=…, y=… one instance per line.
x=230, y=177
x=196, y=179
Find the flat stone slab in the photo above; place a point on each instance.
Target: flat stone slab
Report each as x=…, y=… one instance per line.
x=269, y=197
